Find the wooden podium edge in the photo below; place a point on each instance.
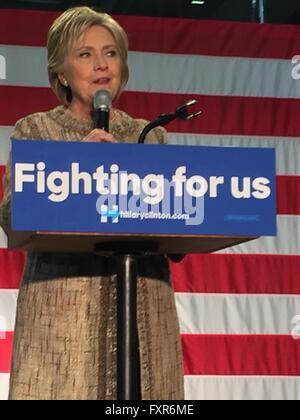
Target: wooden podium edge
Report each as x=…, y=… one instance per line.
x=85, y=242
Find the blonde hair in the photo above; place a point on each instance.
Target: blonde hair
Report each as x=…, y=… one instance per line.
x=66, y=30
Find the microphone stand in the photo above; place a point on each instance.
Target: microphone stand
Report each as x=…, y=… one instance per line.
x=181, y=113
x=126, y=256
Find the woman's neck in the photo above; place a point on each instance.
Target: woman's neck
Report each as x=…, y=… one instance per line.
x=80, y=112
x=86, y=114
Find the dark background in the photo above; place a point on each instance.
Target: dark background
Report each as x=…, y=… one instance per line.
x=275, y=11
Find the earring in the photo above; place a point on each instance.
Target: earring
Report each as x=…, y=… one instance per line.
x=65, y=83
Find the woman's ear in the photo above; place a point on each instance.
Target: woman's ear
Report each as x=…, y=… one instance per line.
x=62, y=79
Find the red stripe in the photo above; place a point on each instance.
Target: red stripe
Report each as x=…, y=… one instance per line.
x=227, y=273
x=221, y=114
x=5, y=351
x=221, y=355
x=241, y=355
x=11, y=268
x=213, y=38
x=169, y=35
x=288, y=197
x=25, y=27
x=17, y=102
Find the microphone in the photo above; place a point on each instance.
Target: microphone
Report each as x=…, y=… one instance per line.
x=102, y=104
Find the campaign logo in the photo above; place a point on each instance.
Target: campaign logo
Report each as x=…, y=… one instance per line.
x=154, y=199
x=112, y=214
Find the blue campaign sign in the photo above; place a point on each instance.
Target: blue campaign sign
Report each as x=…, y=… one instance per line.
x=128, y=188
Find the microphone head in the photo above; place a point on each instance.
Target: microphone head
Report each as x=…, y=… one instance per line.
x=102, y=100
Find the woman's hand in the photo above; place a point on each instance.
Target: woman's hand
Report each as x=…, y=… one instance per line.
x=98, y=135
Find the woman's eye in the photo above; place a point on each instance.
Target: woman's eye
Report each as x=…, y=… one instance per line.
x=112, y=53
x=85, y=54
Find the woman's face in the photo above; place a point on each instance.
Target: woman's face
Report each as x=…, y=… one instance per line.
x=92, y=64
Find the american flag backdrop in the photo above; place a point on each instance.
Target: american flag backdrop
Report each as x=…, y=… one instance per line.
x=239, y=309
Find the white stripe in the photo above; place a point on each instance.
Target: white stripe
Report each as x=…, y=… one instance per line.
x=8, y=305
x=4, y=386
x=150, y=72
x=208, y=75
x=242, y=388
x=236, y=314
x=3, y=239
x=223, y=387
x=25, y=66
x=287, y=149
x=5, y=144
x=287, y=241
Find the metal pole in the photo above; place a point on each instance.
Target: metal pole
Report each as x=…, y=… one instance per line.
x=254, y=2
x=262, y=11
x=128, y=381
x=127, y=255
x=258, y=10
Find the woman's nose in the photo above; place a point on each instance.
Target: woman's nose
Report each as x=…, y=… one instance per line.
x=100, y=62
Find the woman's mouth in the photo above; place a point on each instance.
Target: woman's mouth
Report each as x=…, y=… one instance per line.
x=102, y=81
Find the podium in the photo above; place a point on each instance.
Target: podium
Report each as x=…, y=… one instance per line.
x=127, y=200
